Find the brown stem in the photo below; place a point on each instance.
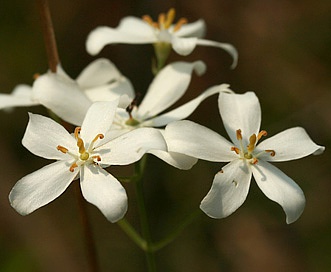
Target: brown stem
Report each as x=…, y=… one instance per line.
x=90, y=246
x=48, y=33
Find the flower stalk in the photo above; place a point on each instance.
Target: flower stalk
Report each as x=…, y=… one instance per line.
x=48, y=33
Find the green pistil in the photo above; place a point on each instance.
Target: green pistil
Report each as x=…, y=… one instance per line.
x=132, y=122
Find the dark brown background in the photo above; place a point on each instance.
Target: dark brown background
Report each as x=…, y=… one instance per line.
x=284, y=56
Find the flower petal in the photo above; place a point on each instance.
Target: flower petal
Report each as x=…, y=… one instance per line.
x=168, y=86
x=177, y=160
x=196, y=29
x=131, y=146
x=183, y=46
x=98, y=120
x=20, y=96
x=290, y=144
x=62, y=96
x=99, y=72
x=197, y=141
x=121, y=89
x=41, y=187
x=240, y=111
x=104, y=191
x=43, y=135
x=229, y=190
x=130, y=30
x=229, y=48
x=280, y=188
x=185, y=110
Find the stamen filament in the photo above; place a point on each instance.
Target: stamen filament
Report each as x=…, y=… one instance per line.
x=170, y=18
x=73, y=166
x=261, y=134
x=272, y=152
x=182, y=21
x=252, y=142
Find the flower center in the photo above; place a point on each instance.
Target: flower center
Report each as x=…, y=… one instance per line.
x=131, y=121
x=165, y=21
x=84, y=155
x=247, y=152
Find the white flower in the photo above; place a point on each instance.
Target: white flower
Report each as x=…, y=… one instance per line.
x=241, y=115
x=182, y=37
x=169, y=85
x=81, y=155
x=68, y=98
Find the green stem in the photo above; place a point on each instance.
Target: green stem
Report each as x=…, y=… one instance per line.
x=149, y=253
x=132, y=233
x=168, y=239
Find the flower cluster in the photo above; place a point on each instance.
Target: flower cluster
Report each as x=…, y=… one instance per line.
x=115, y=127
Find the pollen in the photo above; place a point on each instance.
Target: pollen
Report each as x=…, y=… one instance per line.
x=62, y=149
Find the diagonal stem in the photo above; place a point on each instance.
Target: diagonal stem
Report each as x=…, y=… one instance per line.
x=48, y=33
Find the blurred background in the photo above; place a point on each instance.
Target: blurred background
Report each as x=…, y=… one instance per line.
x=284, y=56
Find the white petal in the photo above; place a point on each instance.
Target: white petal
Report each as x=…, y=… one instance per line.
x=280, y=188
x=131, y=146
x=177, y=160
x=40, y=187
x=229, y=190
x=20, y=96
x=130, y=30
x=62, y=96
x=97, y=73
x=240, y=111
x=196, y=29
x=98, y=120
x=183, y=46
x=225, y=46
x=185, y=110
x=104, y=191
x=291, y=144
x=197, y=141
x=43, y=135
x=121, y=89
x=168, y=86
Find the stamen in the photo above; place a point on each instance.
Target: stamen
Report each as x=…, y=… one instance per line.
x=238, y=134
x=62, y=149
x=252, y=142
x=35, y=76
x=255, y=161
x=80, y=142
x=98, y=158
x=99, y=136
x=235, y=149
x=72, y=167
x=272, y=152
x=181, y=21
x=261, y=134
x=148, y=20
x=170, y=18
x=161, y=20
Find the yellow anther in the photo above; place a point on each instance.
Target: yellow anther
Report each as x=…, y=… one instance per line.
x=148, y=19
x=99, y=136
x=98, y=158
x=261, y=134
x=170, y=18
x=62, y=149
x=72, y=167
x=35, y=76
x=182, y=21
x=161, y=20
x=80, y=142
x=255, y=161
x=272, y=152
x=235, y=149
x=252, y=142
x=238, y=134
